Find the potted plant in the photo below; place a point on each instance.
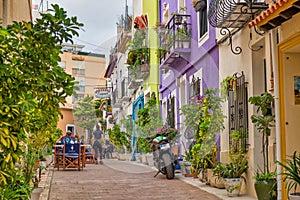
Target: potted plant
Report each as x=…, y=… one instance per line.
x=183, y=35
x=208, y=120
x=217, y=180
x=265, y=185
x=206, y=117
x=233, y=173
x=185, y=164
x=291, y=173
x=229, y=83
x=263, y=121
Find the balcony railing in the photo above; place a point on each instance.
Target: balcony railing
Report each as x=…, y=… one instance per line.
x=233, y=14
x=134, y=84
x=177, y=33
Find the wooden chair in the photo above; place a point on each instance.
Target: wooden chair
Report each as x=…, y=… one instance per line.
x=89, y=156
x=72, y=156
x=58, y=155
x=83, y=156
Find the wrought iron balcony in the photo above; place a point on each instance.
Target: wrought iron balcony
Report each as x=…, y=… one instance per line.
x=175, y=37
x=233, y=14
x=134, y=83
x=177, y=33
x=139, y=72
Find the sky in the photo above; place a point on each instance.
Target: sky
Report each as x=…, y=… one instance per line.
x=99, y=18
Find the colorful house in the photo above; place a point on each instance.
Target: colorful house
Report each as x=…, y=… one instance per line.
x=281, y=23
x=189, y=62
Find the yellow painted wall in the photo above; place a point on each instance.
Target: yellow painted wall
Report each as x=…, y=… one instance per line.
x=151, y=8
x=288, y=59
x=67, y=119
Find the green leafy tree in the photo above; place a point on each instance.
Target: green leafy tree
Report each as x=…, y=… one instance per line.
x=32, y=87
x=148, y=120
x=210, y=121
x=85, y=114
x=127, y=123
x=119, y=138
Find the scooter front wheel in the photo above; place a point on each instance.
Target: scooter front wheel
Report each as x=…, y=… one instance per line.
x=169, y=169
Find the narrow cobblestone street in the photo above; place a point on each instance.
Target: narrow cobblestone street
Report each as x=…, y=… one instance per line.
x=120, y=180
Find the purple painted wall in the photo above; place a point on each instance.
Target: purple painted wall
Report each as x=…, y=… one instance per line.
x=205, y=57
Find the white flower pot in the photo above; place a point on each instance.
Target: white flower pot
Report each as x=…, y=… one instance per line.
x=233, y=186
x=294, y=196
x=36, y=193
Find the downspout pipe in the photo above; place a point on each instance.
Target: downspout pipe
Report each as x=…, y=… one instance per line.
x=274, y=60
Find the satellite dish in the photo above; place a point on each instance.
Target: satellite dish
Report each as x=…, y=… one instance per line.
x=189, y=133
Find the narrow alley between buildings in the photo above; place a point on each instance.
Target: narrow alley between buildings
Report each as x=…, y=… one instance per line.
x=121, y=180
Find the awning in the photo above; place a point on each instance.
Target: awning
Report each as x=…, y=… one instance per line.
x=141, y=22
x=276, y=14
x=111, y=66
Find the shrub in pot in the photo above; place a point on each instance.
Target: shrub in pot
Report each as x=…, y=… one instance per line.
x=233, y=173
x=291, y=174
x=263, y=121
x=265, y=185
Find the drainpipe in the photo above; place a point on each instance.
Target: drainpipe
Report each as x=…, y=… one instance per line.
x=274, y=61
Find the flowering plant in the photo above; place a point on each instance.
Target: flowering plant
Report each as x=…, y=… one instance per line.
x=171, y=133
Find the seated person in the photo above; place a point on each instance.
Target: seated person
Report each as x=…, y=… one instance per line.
x=68, y=138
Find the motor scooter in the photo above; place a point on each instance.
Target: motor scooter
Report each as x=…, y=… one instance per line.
x=164, y=159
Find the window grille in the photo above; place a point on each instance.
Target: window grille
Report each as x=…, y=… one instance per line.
x=195, y=87
x=171, y=112
x=203, y=21
x=238, y=115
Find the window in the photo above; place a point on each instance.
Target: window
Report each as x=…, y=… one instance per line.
x=78, y=71
x=203, y=25
x=171, y=112
x=71, y=127
x=238, y=116
x=195, y=89
x=81, y=84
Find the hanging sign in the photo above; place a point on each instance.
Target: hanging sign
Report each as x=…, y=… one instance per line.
x=102, y=93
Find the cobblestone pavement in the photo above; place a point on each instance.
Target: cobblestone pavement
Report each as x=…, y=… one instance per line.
x=121, y=180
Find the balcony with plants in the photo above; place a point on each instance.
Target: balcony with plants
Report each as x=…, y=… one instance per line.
x=175, y=38
x=138, y=58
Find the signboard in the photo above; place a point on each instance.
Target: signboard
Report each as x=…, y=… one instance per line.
x=102, y=93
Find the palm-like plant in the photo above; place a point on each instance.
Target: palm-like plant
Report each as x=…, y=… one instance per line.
x=291, y=171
